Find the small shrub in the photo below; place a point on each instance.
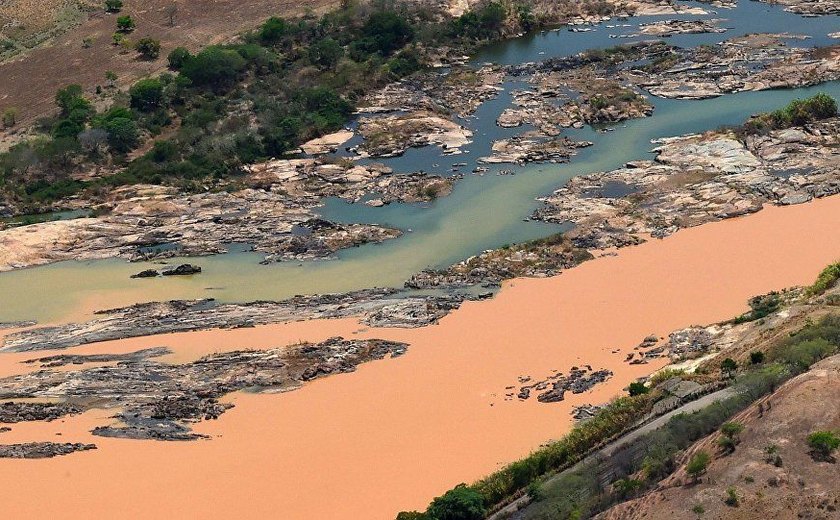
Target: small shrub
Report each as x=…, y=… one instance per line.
x=749, y=479
x=637, y=388
x=698, y=509
x=10, y=117
x=731, y=498
x=125, y=24
x=826, y=280
x=823, y=444
x=149, y=48
x=729, y=366
x=113, y=6
x=732, y=429
x=757, y=357
x=697, y=465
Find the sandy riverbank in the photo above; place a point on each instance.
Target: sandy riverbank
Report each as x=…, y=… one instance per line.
x=399, y=431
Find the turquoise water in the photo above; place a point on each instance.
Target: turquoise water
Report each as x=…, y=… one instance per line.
x=482, y=212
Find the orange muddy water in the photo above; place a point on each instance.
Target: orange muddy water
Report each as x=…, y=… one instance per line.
x=397, y=432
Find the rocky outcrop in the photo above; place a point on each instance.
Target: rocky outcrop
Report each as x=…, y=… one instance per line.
x=15, y=412
x=672, y=27
x=391, y=136
x=809, y=7
x=538, y=258
x=80, y=359
x=379, y=307
x=41, y=450
x=694, y=180
x=182, y=270
x=460, y=91
x=147, y=222
x=553, y=388
x=747, y=63
x=531, y=147
x=159, y=400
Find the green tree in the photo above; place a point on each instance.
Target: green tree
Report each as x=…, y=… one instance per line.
x=125, y=24
x=325, y=53
x=460, y=503
x=214, y=67
x=729, y=366
x=273, y=30
x=757, y=357
x=178, y=57
x=122, y=133
x=68, y=98
x=697, y=465
x=386, y=31
x=823, y=444
x=149, y=48
x=146, y=95
x=113, y=6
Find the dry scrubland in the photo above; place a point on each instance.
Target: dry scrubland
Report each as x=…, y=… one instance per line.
x=29, y=82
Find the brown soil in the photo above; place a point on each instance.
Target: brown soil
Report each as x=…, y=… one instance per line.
x=799, y=487
x=29, y=82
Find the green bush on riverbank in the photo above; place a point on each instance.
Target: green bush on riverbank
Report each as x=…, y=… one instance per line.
x=797, y=113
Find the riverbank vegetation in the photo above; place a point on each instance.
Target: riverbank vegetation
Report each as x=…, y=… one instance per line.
x=642, y=463
x=288, y=81
x=797, y=113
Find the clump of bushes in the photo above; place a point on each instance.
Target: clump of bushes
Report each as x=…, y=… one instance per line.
x=826, y=280
x=797, y=113
x=823, y=443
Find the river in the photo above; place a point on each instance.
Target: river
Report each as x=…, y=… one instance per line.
x=484, y=211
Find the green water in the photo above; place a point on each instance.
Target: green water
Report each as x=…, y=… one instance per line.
x=482, y=212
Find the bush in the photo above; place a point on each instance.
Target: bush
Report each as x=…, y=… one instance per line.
x=178, y=57
x=146, y=95
x=729, y=366
x=459, y=503
x=825, y=281
x=325, y=53
x=697, y=465
x=214, y=67
x=125, y=24
x=113, y=6
x=637, y=388
x=273, y=30
x=149, y=48
x=823, y=443
x=796, y=113
x=10, y=117
x=732, y=429
x=731, y=498
x=761, y=306
x=756, y=357
x=385, y=32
